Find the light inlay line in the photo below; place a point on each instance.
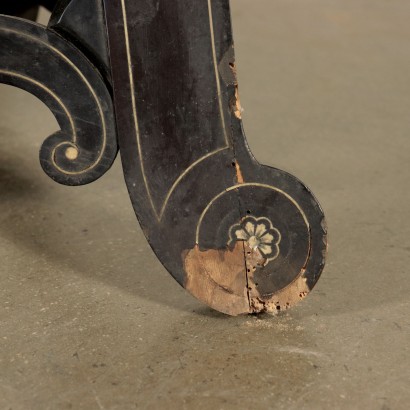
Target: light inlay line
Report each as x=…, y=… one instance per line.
x=86, y=82
x=160, y=214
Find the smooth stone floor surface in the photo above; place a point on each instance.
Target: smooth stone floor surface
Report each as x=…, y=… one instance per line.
x=89, y=319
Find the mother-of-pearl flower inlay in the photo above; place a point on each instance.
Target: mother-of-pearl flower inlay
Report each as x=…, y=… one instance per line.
x=259, y=234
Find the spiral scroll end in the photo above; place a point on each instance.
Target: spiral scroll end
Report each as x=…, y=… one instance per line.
x=69, y=164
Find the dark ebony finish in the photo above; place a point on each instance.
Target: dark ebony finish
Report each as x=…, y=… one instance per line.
x=45, y=64
x=241, y=237
x=82, y=22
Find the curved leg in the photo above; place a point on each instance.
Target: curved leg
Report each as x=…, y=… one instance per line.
x=43, y=63
x=240, y=236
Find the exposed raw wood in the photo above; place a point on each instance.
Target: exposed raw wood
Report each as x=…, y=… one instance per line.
x=240, y=236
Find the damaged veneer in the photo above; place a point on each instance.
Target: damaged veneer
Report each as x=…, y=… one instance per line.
x=240, y=236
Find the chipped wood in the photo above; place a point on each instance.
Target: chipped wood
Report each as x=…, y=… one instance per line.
x=218, y=278
x=240, y=236
x=201, y=198
x=239, y=176
x=236, y=105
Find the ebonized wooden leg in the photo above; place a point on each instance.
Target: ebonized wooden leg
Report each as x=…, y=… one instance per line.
x=240, y=236
x=45, y=64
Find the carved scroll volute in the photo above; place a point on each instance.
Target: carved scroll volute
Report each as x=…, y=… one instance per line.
x=240, y=236
x=43, y=63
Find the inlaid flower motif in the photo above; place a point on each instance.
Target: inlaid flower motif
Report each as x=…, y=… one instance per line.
x=259, y=234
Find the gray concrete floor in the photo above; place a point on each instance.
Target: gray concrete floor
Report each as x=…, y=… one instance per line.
x=89, y=319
